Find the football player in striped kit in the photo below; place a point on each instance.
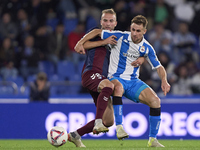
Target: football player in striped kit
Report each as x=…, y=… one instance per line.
x=130, y=46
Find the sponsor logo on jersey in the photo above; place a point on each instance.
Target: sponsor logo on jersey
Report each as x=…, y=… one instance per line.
x=131, y=54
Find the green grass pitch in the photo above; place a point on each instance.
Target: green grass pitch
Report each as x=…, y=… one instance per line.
x=99, y=145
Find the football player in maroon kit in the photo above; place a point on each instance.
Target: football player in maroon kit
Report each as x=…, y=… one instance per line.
x=94, y=78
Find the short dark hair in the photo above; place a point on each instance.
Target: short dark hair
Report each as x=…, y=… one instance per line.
x=139, y=19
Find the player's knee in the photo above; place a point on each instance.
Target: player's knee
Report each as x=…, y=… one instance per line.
x=110, y=85
x=154, y=102
x=105, y=83
x=118, y=90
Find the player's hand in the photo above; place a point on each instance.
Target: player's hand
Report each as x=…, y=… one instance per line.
x=79, y=48
x=110, y=40
x=138, y=62
x=165, y=87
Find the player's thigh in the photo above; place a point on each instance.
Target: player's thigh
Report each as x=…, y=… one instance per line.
x=149, y=97
x=91, y=80
x=108, y=116
x=133, y=89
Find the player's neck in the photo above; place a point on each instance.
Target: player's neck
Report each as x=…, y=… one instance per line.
x=137, y=42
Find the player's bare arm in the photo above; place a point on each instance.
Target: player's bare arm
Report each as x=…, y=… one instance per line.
x=79, y=46
x=110, y=40
x=138, y=62
x=164, y=83
x=96, y=32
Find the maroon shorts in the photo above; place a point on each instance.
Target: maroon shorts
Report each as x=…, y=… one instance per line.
x=91, y=80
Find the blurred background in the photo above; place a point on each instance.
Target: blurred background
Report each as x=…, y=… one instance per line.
x=40, y=35
x=38, y=64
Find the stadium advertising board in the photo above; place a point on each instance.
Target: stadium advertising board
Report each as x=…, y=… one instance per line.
x=33, y=120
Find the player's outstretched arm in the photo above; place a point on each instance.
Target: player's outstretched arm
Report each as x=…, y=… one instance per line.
x=164, y=83
x=79, y=45
x=110, y=40
x=79, y=48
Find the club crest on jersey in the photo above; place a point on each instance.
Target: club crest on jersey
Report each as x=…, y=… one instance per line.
x=142, y=49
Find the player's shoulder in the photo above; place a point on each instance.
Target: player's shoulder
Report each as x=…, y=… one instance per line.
x=117, y=33
x=145, y=41
x=95, y=38
x=92, y=29
x=147, y=44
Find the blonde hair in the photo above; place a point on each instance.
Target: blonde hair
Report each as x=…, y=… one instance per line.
x=109, y=11
x=139, y=19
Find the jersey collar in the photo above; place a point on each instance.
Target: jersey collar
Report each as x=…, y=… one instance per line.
x=140, y=44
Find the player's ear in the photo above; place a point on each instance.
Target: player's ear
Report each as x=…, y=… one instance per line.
x=145, y=30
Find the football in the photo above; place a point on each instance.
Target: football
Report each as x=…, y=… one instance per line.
x=57, y=136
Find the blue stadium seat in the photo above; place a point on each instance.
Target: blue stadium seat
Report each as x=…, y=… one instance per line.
x=64, y=90
x=53, y=90
x=19, y=80
x=65, y=69
x=31, y=78
x=7, y=90
x=47, y=67
x=74, y=89
x=197, y=44
x=52, y=23
x=58, y=88
x=70, y=25
x=80, y=67
x=26, y=91
x=91, y=23
x=55, y=77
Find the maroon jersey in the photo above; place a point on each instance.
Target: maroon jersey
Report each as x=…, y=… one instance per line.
x=97, y=60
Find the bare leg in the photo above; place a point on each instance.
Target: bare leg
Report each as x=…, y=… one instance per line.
x=150, y=98
x=108, y=116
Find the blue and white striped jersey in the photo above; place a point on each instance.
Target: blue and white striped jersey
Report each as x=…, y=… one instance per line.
x=125, y=52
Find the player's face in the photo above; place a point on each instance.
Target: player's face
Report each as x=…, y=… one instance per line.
x=137, y=32
x=108, y=21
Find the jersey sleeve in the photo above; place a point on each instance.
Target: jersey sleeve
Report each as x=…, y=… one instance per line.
x=152, y=58
x=107, y=33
